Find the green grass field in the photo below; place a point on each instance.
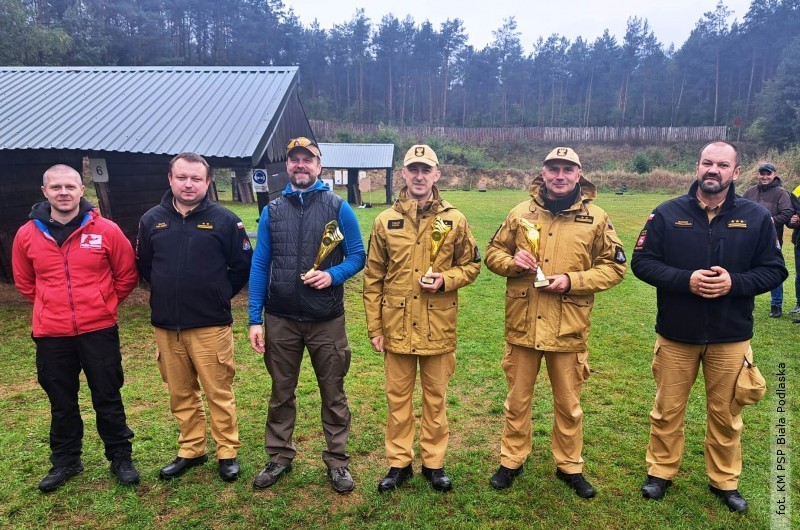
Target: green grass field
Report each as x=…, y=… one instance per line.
x=616, y=400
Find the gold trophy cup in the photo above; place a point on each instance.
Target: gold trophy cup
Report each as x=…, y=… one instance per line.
x=331, y=237
x=532, y=237
x=438, y=232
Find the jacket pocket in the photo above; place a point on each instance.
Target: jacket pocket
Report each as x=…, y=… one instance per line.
x=394, y=316
x=442, y=315
x=575, y=312
x=517, y=308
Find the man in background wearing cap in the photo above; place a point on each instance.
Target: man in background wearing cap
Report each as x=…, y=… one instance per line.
x=770, y=194
x=195, y=255
x=580, y=254
x=708, y=253
x=413, y=322
x=304, y=310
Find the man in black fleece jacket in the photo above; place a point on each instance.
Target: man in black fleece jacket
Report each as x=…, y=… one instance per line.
x=708, y=253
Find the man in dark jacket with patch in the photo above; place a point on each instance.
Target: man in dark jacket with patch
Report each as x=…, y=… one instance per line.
x=770, y=194
x=708, y=253
x=196, y=256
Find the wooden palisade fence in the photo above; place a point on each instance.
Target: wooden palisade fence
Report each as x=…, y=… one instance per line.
x=325, y=130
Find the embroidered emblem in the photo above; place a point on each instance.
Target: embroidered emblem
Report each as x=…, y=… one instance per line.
x=419, y=151
x=619, y=254
x=162, y=225
x=683, y=223
x=561, y=152
x=640, y=240
x=588, y=219
x=246, y=244
x=94, y=241
x=205, y=225
x=395, y=224
x=737, y=223
x=448, y=223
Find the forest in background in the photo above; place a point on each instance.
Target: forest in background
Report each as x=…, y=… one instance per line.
x=744, y=74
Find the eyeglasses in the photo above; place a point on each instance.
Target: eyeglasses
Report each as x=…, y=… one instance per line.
x=765, y=173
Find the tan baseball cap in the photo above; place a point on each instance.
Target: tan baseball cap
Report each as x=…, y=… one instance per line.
x=750, y=388
x=564, y=153
x=301, y=142
x=421, y=153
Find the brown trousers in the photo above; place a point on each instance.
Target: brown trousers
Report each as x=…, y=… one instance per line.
x=401, y=374
x=330, y=356
x=675, y=367
x=567, y=372
x=205, y=354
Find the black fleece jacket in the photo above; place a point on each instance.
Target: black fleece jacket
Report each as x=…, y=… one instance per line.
x=194, y=264
x=678, y=239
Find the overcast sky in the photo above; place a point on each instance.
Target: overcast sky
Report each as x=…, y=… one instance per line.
x=670, y=20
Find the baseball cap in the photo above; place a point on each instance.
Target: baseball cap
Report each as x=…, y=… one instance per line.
x=564, y=153
x=767, y=167
x=750, y=388
x=421, y=153
x=301, y=142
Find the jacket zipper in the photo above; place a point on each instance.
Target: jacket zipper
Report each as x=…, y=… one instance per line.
x=69, y=290
x=300, y=241
x=177, y=276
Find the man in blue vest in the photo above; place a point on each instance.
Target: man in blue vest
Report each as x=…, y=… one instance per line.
x=304, y=309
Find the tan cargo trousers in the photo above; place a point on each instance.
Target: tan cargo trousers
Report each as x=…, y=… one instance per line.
x=401, y=374
x=204, y=354
x=567, y=372
x=675, y=367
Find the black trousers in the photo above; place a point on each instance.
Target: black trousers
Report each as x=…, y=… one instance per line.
x=59, y=361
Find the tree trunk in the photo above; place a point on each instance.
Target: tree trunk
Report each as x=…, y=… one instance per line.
x=716, y=89
x=750, y=88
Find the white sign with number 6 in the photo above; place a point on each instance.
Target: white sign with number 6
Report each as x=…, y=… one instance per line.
x=99, y=169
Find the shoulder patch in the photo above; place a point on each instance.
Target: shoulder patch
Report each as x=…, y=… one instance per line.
x=640, y=240
x=619, y=254
x=395, y=224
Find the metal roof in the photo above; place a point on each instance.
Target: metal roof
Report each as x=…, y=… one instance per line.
x=216, y=111
x=357, y=156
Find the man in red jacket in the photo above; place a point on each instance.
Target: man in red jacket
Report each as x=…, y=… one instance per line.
x=76, y=268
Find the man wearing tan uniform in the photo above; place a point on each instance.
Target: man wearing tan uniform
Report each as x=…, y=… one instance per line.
x=411, y=312
x=580, y=254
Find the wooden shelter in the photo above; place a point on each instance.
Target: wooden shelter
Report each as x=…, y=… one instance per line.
x=126, y=123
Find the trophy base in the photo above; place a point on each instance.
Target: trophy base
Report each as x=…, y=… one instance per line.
x=541, y=283
x=427, y=280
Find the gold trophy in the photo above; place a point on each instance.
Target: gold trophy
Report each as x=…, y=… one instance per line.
x=331, y=237
x=532, y=237
x=438, y=232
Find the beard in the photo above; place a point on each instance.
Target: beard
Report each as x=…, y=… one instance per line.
x=308, y=180
x=713, y=185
